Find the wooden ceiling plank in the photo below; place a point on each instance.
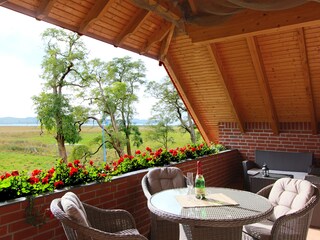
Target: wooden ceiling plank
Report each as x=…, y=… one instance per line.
x=135, y=23
x=263, y=83
x=3, y=1
x=307, y=79
x=96, y=12
x=166, y=44
x=193, y=7
x=216, y=60
x=175, y=78
x=249, y=23
x=44, y=9
x=156, y=37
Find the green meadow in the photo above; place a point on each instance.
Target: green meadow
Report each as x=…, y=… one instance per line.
x=27, y=148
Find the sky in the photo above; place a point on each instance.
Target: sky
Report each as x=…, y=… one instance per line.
x=21, y=54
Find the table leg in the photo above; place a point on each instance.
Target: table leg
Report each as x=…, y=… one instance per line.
x=218, y=233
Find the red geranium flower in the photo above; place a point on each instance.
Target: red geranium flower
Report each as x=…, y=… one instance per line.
x=33, y=180
x=138, y=152
x=7, y=175
x=58, y=184
x=73, y=171
x=45, y=180
x=15, y=173
x=91, y=162
x=51, y=171
x=35, y=172
x=107, y=167
x=70, y=165
x=76, y=162
x=148, y=149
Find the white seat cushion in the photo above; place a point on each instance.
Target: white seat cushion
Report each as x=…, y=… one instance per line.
x=261, y=230
x=74, y=209
x=289, y=195
x=165, y=178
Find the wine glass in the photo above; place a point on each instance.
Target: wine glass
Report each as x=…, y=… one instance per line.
x=190, y=182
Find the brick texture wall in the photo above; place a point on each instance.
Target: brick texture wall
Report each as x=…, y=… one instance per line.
x=124, y=192
x=293, y=137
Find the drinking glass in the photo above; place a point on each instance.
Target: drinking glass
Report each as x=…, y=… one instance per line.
x=190, y=182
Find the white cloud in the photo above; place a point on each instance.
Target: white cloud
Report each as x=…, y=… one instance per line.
x=20, y=60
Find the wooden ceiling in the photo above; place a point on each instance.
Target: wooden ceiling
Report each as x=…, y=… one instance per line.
x=229, y=62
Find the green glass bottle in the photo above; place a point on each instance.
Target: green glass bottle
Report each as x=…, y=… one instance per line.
x=200, y=186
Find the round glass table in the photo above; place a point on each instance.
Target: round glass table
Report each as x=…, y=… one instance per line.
x=211, y=222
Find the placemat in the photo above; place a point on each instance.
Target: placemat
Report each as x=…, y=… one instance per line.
x=214, y=199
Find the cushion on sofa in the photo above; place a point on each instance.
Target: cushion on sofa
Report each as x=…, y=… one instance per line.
x=74, y=209
x=289, y=195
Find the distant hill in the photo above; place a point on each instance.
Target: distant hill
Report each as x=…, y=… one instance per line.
x=34, y=121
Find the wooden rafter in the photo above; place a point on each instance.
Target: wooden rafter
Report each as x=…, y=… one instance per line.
x=228, y=91
x=3, y=1
x=96, y=12
x=307, y=79
x=175, y=78
x=166, y=44
x=263, y=83
x=44, y=9
x=158, y=36
x=193, y=6
x=134, y=24
x=249, y=23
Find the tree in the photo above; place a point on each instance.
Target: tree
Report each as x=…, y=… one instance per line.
x=113, y=88
x=62, y=68
x=170, y=105
x=160, y=130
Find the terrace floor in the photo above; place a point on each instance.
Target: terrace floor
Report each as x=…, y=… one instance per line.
x=313, y=234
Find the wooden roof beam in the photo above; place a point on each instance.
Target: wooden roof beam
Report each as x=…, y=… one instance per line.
x=263, y=83
x=228, y=91
x=175, y=78
x=158, y=36
x=193, y=6
x=307, y=79
x=3, y=1
x=96, y=12
x=44, y=9
x=249, y=23
x=166, y=44
x=135, y=24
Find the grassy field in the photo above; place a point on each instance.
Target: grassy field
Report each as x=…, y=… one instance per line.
x=24, y=148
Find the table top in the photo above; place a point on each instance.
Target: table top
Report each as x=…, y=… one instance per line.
x=251, y=208
x=272, y=176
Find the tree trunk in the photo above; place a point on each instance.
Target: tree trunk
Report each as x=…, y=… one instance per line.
x=192, y=132
x=62, y=148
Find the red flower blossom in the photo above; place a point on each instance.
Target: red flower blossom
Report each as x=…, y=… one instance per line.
x=45, y=180
x=15, y=173
x=107, y=167
x=120, y=160
x=35, y=172
x=138, y=152
x=51, y=171
x=193, y=149
x=148, y=149
x=76, y=162
x=33, y=180
x=91, y=162
x=73, y=171
x=58, y=184
x=7, y=175
x=102, y=175
x=70, y=165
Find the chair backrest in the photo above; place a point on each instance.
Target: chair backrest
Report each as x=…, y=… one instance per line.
x=159, y=179
x=289, y=195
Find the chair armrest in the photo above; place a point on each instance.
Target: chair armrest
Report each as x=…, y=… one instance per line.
x=265, y=191
x=247, y=165
x=145, y=188
x=109, y=220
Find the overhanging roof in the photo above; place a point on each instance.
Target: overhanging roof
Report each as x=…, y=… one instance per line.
x=229, y=62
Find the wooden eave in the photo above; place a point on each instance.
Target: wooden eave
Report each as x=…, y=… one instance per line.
x=253, y=67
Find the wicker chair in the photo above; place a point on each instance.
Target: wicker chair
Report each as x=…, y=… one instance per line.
x=288, y=222
x=100, y=223
x=154, y=181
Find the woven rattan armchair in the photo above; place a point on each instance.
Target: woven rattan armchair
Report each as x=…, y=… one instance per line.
x=156, y=180
x=291, y=226
x=103, y=224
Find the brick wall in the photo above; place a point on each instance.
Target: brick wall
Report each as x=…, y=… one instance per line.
x=124, y=192
x=293, y=137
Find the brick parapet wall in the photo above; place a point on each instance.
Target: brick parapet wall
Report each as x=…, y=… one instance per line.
x=293, y=137
x=223, y=170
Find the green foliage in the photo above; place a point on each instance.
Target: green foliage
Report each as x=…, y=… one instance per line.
x=15, y=184
x=79, y=152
